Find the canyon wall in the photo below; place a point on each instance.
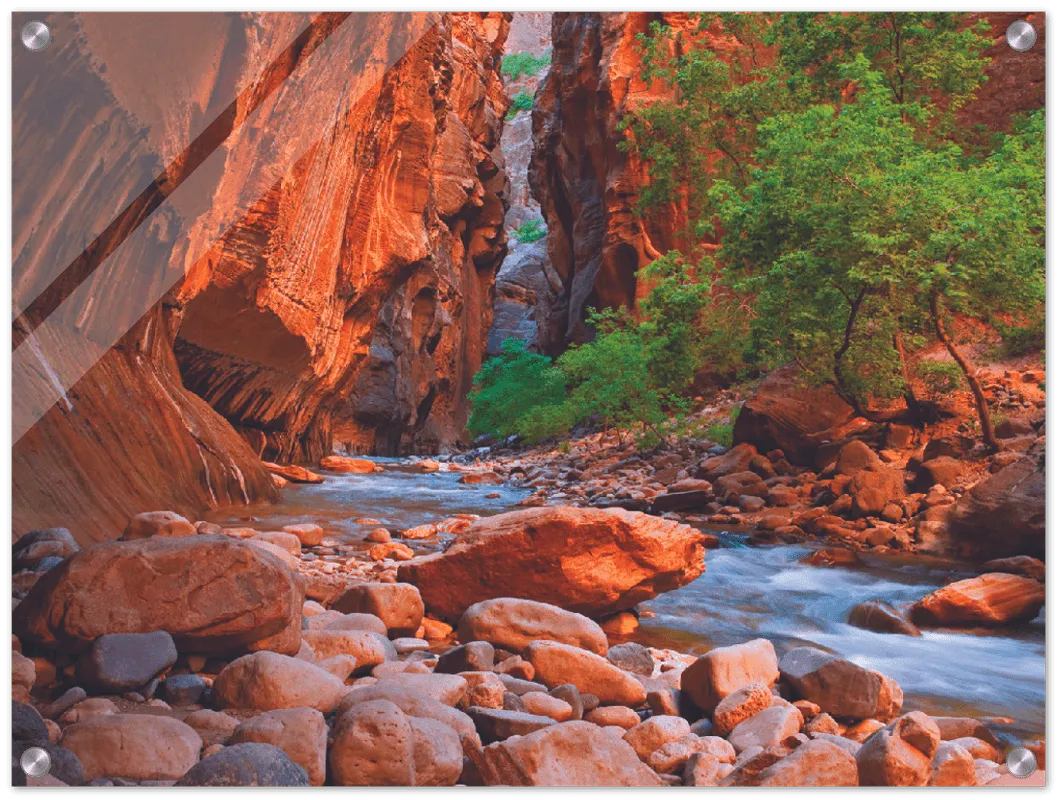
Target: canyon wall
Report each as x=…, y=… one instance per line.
x=219, y=220
x=588, y=187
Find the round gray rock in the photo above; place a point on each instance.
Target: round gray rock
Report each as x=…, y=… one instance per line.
x=122, y=662
x=248, y=764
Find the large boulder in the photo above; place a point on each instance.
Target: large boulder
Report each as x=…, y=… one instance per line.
x=133, y=746
x=901, y=753
x=788, y=415
x=996, y=598
x=565, y=754
x=592, y=561
x=398, y=605
x=212, y=594
x=267, y=681
x=841, y=688
x=1004, y=514
x=512, y=623
x=815, y=763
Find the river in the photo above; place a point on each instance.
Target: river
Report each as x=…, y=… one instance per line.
x=745, y=592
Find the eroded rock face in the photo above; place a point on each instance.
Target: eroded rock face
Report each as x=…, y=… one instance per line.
x=592, y=561
x=586, y=186
x=370, y=218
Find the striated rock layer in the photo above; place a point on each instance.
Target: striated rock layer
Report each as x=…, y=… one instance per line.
x=588, y=187
x=341, y=217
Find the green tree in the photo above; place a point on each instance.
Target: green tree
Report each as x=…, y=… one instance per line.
x=855, y=230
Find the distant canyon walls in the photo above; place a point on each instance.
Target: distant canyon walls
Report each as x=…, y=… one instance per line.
x=322, y=271
x=588, y=187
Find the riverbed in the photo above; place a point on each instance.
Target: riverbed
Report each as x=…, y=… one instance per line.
x=745, y=592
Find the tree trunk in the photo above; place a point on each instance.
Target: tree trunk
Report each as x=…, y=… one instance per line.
x=988, y=434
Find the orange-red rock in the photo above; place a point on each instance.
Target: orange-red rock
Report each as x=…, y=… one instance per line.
x=996, y=598
x=592, y=561
x=212, y=594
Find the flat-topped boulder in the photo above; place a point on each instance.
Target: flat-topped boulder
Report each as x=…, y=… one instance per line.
x=592, y=561
x=212, y=594
x=134, y=746
x=355, y=466
x=786, y=413
x=1003, y=515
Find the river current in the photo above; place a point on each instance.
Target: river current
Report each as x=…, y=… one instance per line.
x=745, y=592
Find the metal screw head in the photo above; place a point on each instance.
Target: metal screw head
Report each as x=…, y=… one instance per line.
x=35, y=36
x=1021, y=762
x=1021, y=35
x=35, y=761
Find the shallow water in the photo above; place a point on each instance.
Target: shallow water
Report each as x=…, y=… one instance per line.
x=745, y=592
x=764, y=591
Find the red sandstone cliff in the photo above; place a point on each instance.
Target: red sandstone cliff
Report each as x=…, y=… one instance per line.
x=351, y=195
x=588, y=187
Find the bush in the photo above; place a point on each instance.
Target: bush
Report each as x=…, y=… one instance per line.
x=940, y=377
x=531, y=231
x=1018, y=340
x=523, y=101
x=515, y=65
x=720, y=433
x=518, y=392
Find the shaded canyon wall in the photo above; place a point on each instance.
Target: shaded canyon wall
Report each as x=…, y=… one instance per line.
x=367, y=197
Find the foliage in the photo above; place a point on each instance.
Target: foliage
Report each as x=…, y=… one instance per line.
x=517, y=392
x=941, y=377
x=515, y=65
x=1019, y=340
x=523, y=101
x=530, y=231
x=855, y=217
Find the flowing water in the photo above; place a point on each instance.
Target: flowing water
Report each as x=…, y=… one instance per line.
x=745, y=592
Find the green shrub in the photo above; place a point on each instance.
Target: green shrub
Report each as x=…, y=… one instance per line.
x=515, y=65
x=518, y=392
x=720, y=433
x=1018, y=340
x=940, y=377
x=531, y=231
x=523, y=101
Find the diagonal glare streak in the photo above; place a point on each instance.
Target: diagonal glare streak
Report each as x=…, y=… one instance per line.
x=145, y=264
x=175, y=173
